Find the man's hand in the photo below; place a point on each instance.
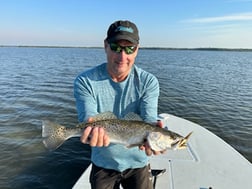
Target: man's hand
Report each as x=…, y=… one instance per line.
x=146, y=147
x=95, y=136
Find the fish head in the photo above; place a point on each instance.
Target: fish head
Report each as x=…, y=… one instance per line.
x=159, y=142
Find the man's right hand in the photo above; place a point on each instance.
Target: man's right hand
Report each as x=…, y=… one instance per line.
x=95, y=136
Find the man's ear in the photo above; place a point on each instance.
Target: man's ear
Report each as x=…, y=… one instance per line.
x=105, y=45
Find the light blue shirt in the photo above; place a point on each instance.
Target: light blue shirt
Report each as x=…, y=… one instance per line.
x=95, y=92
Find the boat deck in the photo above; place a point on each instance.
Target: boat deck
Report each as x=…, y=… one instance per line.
x=207, y=163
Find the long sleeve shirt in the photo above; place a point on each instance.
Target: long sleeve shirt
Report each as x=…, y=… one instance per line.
x=95, y=92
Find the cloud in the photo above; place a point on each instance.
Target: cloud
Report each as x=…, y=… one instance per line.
x=227, y=18
x=239, y=1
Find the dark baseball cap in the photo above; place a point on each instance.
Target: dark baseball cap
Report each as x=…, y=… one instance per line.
x=123, y=30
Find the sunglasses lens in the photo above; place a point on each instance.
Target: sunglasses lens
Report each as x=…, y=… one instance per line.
x=117, y=48
x=130, y=49
x=114, y=47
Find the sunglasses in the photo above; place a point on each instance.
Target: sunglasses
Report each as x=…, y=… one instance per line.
x=127, y=49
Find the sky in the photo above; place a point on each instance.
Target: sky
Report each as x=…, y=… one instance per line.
x=161, y=23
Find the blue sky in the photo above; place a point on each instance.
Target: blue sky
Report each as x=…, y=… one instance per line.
x=162, y=23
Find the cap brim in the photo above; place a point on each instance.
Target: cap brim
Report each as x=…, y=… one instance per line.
x=122, y=37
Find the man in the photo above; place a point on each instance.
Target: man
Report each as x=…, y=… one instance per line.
x=121, y=87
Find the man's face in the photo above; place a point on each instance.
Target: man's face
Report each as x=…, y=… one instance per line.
x=120, y=63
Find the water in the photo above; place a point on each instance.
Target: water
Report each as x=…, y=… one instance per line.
x=211, y=88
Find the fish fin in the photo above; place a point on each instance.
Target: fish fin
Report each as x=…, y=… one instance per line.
x=53, y=134
x=132, y=116
x=104, y=116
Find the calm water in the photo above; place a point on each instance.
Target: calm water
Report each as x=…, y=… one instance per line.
x=211, y=88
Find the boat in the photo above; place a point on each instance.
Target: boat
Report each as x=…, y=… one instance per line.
x=207, y=163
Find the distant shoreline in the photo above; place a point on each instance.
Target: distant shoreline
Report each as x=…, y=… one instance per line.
x=146, y=48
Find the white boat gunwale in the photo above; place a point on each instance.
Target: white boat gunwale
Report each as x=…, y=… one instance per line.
x=208, y=162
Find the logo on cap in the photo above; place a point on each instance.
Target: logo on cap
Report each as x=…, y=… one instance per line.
x=122, y=28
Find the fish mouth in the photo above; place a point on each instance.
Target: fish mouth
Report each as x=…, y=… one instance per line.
x=181, y=143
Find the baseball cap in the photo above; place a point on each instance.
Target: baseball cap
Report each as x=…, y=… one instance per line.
x=123, y=30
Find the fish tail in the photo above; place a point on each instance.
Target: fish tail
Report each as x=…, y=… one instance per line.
x=53, y=134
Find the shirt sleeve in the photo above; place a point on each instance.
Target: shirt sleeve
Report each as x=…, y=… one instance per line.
x=85, y=100
x=149, y=101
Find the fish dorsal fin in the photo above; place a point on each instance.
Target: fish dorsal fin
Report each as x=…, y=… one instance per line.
x=132, y=116
x=104, y=116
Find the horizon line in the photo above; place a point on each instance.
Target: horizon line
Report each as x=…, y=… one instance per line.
x=165, y=48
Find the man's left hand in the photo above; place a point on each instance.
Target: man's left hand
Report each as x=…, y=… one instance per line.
x=146, y=147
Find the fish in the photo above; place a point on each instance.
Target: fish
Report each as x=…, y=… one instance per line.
x=130, y=131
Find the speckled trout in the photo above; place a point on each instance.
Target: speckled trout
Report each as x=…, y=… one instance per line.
x=130, y=131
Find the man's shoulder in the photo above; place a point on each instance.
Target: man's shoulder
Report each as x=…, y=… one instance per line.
x=143, y=74
x=95, y=72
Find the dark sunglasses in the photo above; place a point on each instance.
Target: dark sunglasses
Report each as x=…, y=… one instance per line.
x=127, y=49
